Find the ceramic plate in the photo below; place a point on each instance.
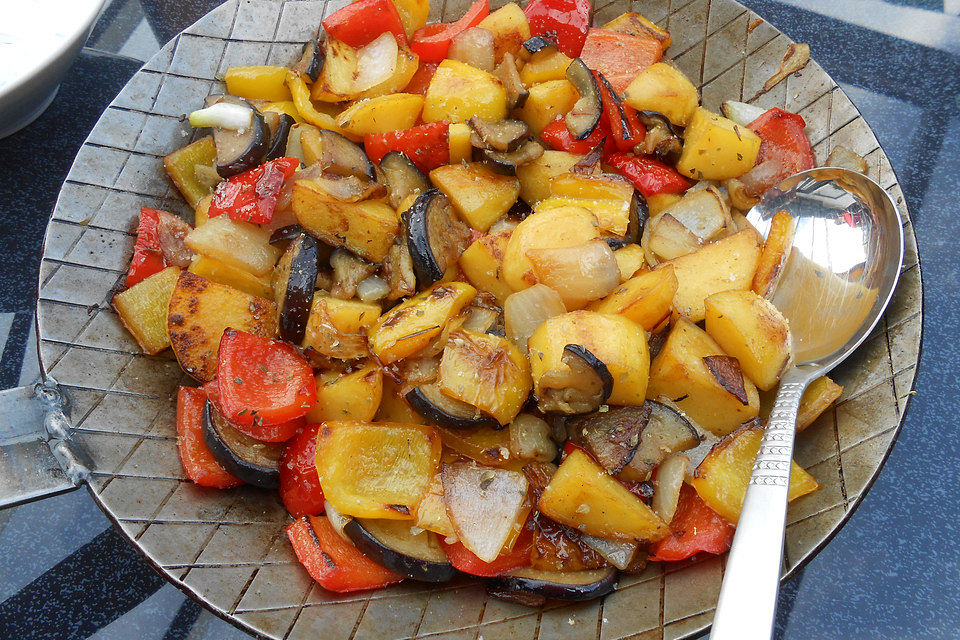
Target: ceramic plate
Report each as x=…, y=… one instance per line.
x=227, y=548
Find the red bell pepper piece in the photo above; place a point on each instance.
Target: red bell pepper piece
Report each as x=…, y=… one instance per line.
x=332, y=561
x=782, y=140
x=421, y=79
x=364, y=21
x=696, y=527
x=427, y=145
x=625, y=127
x=264, y=432
x=558, y=137
x=198, y=462
x=262, y=382
x=619, y=56
x=518, y=557
x=299, y=482
x=252, y=195
x=147, y=255
x=649, y=176
x=564, y=21
x=432, y=41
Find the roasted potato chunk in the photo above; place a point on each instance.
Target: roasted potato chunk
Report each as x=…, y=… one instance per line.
x=753, y=331
x=200, y=311
x=708, y=396
x=457, y=92
x=647, y=299
x=479, y=194
x=143, y=309
x=337, y=328
x=721, y=479
x=583, y=495
x=348, y=396
x=616, y=341
x=486, y=372
x=715, y=148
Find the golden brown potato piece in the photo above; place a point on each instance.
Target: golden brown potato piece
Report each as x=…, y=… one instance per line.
x=775, y=252
x=647, y=298
x=616, y=341
x=486, y=372
x=753, y=331
x=337, y=328
x=663, y=88
x=583, y=495
x=481, y=262
x=709, y=397
x=716, y=148
x=509, y=27
x=724, y=265
x=557, y=228
x=821, y=393
x=143, y=309
x=479, y=194
x=367, y=228
x=721, y=479
x=199, y=312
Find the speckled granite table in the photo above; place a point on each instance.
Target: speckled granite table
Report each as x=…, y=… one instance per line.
x=892, y=572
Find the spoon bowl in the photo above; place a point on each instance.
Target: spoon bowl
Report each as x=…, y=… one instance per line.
x=838, y=278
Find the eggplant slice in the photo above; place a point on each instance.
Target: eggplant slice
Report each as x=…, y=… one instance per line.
x=243, y=149
x=344, y=158
x=536, y=44
x=435, y=236
x=508, y=162
x=254, y=462
x=432, y=404
x=392, y=545
x=303, y=258
x=402, y=177
x=612, y=437
x=505, y=135
x=538, y=586
x=662, y=139
x=586, y=112
x=508, y=74
x=666, y=432
x=636, y=220
x=279, y=125
x=582, y=388
x=287, y=233
x=311, y=60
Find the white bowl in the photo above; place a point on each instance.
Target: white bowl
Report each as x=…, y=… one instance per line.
x=39, y=40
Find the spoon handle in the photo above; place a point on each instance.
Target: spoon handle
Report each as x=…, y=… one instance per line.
x=748, y=597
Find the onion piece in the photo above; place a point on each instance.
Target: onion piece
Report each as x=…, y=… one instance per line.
x=666, y=487
x=337, y=520
x=376, y=62
x=372, y=289
x=481, y=319
x=704, y=212
x=762, y=176
x=474, y=47
x=619, y=553
x=579, y=274
x=741, y=113
x=530, y=439
x=526, y=310
x=484, y=504
x=224, y=115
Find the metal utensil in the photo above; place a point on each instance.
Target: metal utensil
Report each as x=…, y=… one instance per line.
x=839, y=277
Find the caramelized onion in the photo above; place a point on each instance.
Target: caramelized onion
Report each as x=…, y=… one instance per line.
x=666, y=492
x=376, y=62
x=526, y=310
x=579, y=274
x=474, y=47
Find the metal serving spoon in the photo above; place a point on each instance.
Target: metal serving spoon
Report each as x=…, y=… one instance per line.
x=837, y=282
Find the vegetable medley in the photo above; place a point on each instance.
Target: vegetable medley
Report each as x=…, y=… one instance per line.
x=476, y=297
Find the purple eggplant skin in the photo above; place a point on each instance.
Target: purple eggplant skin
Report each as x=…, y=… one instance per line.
x=637, y=219
x=301, y=284
x=586, y=114
x=426, y=400
x=239, y=151
x=572, y=586
x=278, y=144
x=256, y=463
x=595, y=363
x=408, y=566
